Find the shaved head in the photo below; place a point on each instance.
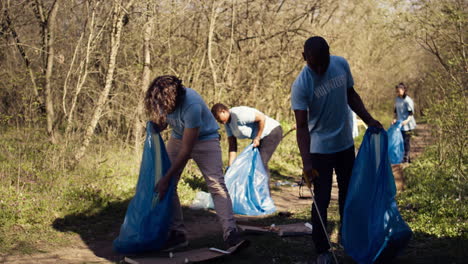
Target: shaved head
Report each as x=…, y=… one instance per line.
x=317, y=54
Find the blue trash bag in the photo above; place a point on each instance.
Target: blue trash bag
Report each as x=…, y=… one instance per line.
x=373, y=228
x=147, y=220
x=247, y=184
x=396, y=147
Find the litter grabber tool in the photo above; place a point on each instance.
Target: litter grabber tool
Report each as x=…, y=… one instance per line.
x=309, y=186
x=289, y=131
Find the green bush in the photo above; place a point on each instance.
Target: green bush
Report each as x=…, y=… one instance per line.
x=431, y=202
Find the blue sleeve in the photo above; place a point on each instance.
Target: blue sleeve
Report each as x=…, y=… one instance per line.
x=299, y=94
x=228, y=130
x=192, y=116
x=349, y=76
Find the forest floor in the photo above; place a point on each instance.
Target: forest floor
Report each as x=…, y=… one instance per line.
x=87, y=243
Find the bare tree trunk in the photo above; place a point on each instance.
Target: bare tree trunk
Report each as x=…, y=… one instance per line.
x=144, y=83
x=116, y=32
x=24, y=56
x=227, y=76
x=48, y=24
x=50, y=63
x=210, y=47
x=83, y=68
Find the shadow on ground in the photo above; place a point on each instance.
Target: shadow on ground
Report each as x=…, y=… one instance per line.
x=99, y=227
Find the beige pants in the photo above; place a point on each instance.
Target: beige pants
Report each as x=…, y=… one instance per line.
x=207, y=155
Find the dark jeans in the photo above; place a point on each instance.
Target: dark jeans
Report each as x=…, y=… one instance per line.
x=342, y=162
x=268, y=145
x=406, y=139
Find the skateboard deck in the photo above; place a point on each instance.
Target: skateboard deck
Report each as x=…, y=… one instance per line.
x=182, y=257
x=297, y=229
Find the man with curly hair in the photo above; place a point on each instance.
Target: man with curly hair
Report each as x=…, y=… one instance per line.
x=194, y=135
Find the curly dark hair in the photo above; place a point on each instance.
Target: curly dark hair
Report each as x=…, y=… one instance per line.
x=164, y=94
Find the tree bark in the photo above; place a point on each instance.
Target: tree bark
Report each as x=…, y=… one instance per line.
x=50, y=53
x=116, y=32
x=48, y=23
x=83, y=68
x=9, y=25
x=210, y=47
x=145, y=80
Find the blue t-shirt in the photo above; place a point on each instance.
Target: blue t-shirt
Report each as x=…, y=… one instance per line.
x=242, y=123
x=193, y=113
x=326, y=100
x=403, y=107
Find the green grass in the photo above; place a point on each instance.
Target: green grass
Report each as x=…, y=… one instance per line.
x=432, y=202
x=45, y=204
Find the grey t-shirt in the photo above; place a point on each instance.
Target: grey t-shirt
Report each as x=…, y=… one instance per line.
x=403, y=107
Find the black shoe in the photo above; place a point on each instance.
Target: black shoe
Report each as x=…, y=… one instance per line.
x=175, y=240
x=324, y=258
x=235, y=239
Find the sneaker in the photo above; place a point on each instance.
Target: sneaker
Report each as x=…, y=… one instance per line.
x=175, y=240
x=324, y=258
x=235, y=239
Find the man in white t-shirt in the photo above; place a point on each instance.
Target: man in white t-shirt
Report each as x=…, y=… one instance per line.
x=246, y=122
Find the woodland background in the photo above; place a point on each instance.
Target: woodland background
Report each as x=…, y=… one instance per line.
x=73, y=74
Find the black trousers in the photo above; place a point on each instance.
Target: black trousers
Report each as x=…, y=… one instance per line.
x=342, y=162
x=268, y=145
x=406, y=140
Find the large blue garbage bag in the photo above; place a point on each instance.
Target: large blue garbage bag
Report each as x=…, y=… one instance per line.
x=396, y=147
x=147, y=220
x=247, y=183
x=373, y=229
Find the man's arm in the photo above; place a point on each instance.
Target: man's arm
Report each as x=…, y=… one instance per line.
x=260, y=118
x=188, y=141
x=232, y=149
x=303, y=141
x=356, y=104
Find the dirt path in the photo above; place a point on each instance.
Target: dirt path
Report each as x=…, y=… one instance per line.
x=286, y=199
x=421, y=140
x=198, y=225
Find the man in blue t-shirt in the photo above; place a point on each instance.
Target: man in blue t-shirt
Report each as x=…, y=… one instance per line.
x=194, y=136
x=320, y=97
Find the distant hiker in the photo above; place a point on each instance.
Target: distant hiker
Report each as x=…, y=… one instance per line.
x=194, y=135
x=245, y=122
x=404, y=109
x=320, y=97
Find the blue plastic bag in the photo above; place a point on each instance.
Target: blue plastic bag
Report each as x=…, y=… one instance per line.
x=247, y=184
x=396, y=148
x=372, y=226
x=147, y=220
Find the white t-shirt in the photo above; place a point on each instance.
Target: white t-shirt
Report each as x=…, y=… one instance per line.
x=242, y=123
